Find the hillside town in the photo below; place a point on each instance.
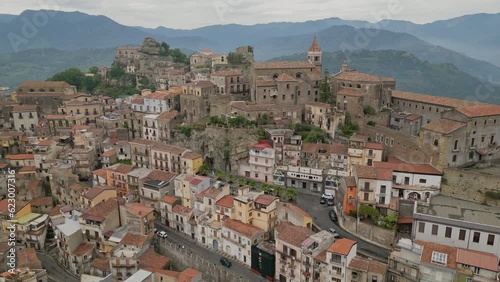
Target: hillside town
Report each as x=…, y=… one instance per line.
x=224, y=168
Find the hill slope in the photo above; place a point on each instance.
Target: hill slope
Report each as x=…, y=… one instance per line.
x=338, y=38
x=411, y=73
x=39, y=64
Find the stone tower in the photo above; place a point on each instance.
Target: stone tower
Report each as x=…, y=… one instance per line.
x=314, y=55
x=345, y=66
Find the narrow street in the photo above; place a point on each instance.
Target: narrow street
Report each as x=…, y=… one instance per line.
x=319, y=212
x=55, y=272
x=209, y=255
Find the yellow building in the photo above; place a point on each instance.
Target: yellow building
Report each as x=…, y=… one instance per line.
x=21, y=209
x=362, y=152
x=187, y=186
x=191, y=162
x=257, y=209
x=97, y=194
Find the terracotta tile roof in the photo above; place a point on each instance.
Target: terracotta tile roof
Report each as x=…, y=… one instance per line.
x=131, y=239
x=27, y=169
x=292, y=234
x=191, y=156
x=152, y=259
x=163, y=272
x=321, y=257
x=371, y=172
x=242, y=228
x=358, y=138
x=342, y=246
x=283, y=65
x=24, y=108
x=56, y=116
x=140, y=210
x=44, y=84
x=168, y=148
x=2, y=166
x=357, y=76
x=56, y=211
x=202, y=83
x=20, y=157
x=182, y=210
x=100, y=172
x=315, y=46
x=170, y=199
x=195, y=181
x=161, y=175
x=41, y=201
x=26, y=257
x=360, y=263
x=263, y=144
x=188, y=275
x=319, y=105
x=79, y=186
x=243, y=106
x=350, y=181
x=480, y=111
x=407, y=167
x=413, y=117
x=444, y=126
x=325, y=149
x=109, y=153
x=143, y=142
x=167, y=115
x=138, y=101
x=405, y=220
x=100, y=211
x=226, y=73
x=297, y=210
x=377, y=267
x=285, y=78
x=435, y=100
x=374, y=146
x=477, y=259
x=265, y=83
x=226, y=201
x=122, y=168
x=4, y=206
x=101, y=264
x=265, y=199
x=350, y=92
x=157, y=95
x=96, y=191
x=429, y=247
x=212, y=192
x=83, y=249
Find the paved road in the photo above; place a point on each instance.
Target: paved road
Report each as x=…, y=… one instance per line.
x=310, y=204
x=207, y=254
x=55, y=271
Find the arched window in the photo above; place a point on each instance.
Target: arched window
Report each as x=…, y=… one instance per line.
x=275, y=76
x=298, y=75
x=359, y=85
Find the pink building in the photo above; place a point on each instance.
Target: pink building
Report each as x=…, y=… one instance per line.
x=261, y=163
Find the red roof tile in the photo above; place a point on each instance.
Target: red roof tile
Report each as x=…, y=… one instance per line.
x=285, y=78
x=478, y=259
x=226, y=201
x=283, y=65
x=150, y=258
x=191, y=156
x=244, y=229
x=292, y=234
x=41, y=201
x=342, y=246
x=131, y=239
x=407, y=167
x=109, y=153
x=24, y=108
x=170, y=199
x=429, y=248
x=101, y=264
x=374, y=146
x=480, y=111
x=265, y=199
x=444, y=126
x=188, y=275
x=140, y=210
x=315, y=46
x=360, y=263
x=435, y=100
x=26, y=257
x=297, y=210
x=182, y=210
x=350, y=92
x=167, y=115
x=20, y=157
x=83, y=249
x=357, y=76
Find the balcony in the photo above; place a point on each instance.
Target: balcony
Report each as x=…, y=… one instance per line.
x=355, y=154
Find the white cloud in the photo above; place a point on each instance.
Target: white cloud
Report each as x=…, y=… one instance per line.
x=193, y=13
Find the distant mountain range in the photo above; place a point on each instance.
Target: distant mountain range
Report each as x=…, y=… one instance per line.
x=411, y=73
x=474, y=35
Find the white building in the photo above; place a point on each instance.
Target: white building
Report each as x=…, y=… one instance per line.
x=261, y=163
x=150, y=127
x=333, y=263
x=238, y=239
x=156, y=102
x=25, y=117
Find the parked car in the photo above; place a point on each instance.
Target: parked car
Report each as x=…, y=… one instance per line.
x=333, y=216
x=327, y=196
x=330, y=202
x=322, y=201
x=335, y=234
x=225, y=262
x=161, y=234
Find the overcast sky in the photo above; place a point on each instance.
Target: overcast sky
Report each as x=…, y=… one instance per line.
x=188, y=14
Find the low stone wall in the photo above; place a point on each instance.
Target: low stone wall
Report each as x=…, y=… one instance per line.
x=470, y=185
x=369, y=232
x=184, y=258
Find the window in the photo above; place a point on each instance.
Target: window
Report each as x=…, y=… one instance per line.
x=473, y=142
x=438, y=257
x=374, y=278
x=382, y=189
x=491, y=240
x=476, y=270
x=471, y=155
x=436, y=142
x=423, y=181
x=421, y=227
x=365, y=197
x=456, y=145
x=476, y=237
x=447, y=232
x=454, y=159
x=367, y=185
x=461, y=235
x=435, y=229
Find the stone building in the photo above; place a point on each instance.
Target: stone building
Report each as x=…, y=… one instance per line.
x=267, y=112
x=194, y=101
x=231, y=82
x=25, y=117
x=49, y=95
x=324, y=116
x=353, y=90
x=287, y=82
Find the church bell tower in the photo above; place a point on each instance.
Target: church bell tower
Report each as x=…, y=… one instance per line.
x=314, y=55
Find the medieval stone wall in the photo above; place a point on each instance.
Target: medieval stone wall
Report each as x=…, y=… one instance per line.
x=470, y=185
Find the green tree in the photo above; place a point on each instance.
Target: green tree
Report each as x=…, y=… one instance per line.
x=90, y=83
x=178, y=56
x=230, y=178
x=125, y=125
x=73, y=76
x=93, y=70
x=186, y=130
x=291, y=194
x=261, y=133
x=278, y=190
x=219, y=174
x=325, y=89
x=203, y=169
x=368, y=211
x=369, y=110
x=164, y=49
x=252, y=184
x=237, y=121
x=266, y=188
x=116, y=72
x=371, y=123
x=241, y=181
x=235, y=58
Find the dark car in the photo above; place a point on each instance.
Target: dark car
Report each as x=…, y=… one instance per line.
x=323, y=201
x=225, y=262
x=330, y=202
x=333, y=216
